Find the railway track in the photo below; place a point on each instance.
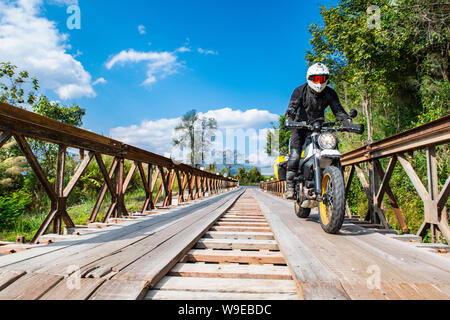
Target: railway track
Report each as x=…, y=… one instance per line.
x=237, y=259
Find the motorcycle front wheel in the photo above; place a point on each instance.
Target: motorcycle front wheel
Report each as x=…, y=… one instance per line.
x=332, y=208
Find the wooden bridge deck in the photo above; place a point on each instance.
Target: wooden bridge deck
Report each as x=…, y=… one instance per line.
x=179, y=250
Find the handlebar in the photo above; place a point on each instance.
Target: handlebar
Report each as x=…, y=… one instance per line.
x=347, y=127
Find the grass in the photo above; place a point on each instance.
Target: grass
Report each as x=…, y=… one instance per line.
x=27, y=224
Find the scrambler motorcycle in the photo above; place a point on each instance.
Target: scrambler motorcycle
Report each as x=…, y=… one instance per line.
x=320, y=180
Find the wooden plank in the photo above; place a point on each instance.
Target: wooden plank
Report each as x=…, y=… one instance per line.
x=246, y=218
x=80, y=170
x=37, y=169
x=234, y=256
x=45, y=224
x=117, y=261
x=8, y=277
x=226, y=285
x=29, y=287
x=231, y=271
x=103, y=191
x=153, y=266
x=106, y=175
x=119, y=290
x=323, y=290
x=240, y=229
x=443, y=196
x=242, y=224
x=64, y=292
x=240, y=235
x=236, y=244
x=354, y=250
x=386, y=178
x=305, y=266
x=359, y=291
x=390, y=194
x=348, y=183
x=430, y=291
x=421, y=190
x=189, y=295
x=226, y=219
x=55, y=258
x=6, y=135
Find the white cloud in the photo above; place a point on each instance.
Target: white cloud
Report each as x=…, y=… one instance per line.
x=156, y=136
x=142, y=29
x=62, y=2
x=99, y=81
x=237, y=119
x=33, y=43
x=183, y=49
x=207, y=52
x=159, y=64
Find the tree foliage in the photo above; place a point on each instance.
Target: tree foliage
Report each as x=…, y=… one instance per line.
x=195, y=133
x=386, y=72
x=250, y=177
x=393, y=68
x=278, y=137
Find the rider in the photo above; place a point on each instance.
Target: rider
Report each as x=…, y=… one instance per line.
x=308, y=102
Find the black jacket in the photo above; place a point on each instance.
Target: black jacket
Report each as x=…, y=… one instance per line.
x=305, y=105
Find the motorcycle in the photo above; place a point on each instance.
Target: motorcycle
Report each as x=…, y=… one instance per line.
x=320, y=180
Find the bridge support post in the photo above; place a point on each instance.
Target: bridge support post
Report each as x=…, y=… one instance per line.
x=434, y=202
x=197, y=188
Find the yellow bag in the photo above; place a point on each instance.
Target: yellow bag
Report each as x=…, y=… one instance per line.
x=280, y=168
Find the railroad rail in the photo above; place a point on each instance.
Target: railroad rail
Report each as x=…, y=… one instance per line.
x=398, y=149
x=21, y=125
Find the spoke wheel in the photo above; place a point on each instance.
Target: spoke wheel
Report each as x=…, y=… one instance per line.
x=332, y=208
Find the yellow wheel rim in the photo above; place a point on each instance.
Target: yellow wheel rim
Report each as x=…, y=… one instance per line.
x=324, y=214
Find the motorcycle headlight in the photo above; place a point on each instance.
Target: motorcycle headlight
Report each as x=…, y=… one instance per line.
x=327, y=141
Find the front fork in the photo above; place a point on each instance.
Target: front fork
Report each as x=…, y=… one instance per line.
x=317, y=171
x=318, y=178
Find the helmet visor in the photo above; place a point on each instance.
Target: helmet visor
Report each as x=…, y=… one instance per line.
x=319, y=78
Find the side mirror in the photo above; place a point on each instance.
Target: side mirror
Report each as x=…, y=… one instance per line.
x=353, y=113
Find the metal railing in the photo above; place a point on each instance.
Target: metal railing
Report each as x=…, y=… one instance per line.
x=398, y=149
x=20, y=124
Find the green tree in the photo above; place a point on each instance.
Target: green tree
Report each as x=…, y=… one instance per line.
x=384, y=71
x=280, y=136
x=18, y=89
x=396, y=75
x=12, y=83
x=250, y=177
x=195, y=133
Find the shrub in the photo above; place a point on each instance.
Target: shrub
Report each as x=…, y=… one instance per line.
x=12, y=207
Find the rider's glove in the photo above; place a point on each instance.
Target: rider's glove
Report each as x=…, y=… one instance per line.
x=291, y=112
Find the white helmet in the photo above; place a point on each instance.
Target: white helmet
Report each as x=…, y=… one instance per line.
x=317, y=77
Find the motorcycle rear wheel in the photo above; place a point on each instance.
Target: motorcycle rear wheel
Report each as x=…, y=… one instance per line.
x=332, y=209
x=301, y=212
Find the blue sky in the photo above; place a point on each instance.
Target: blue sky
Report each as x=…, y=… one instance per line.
x=207, y=55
